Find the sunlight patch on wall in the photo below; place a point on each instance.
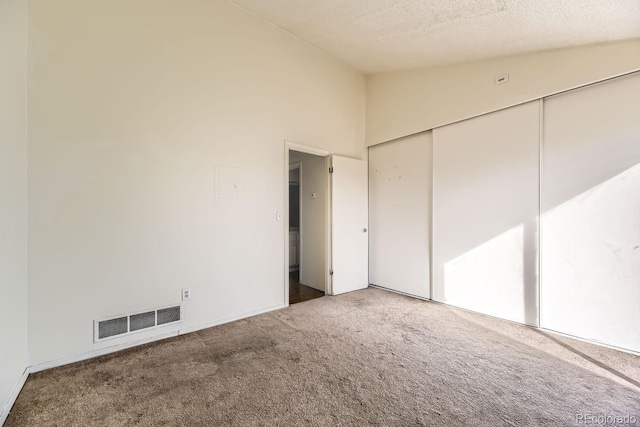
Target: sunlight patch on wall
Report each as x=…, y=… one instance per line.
x=490, y=278
x=591, y=262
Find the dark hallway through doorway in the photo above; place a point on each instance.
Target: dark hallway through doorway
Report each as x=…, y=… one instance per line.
x=298, y=292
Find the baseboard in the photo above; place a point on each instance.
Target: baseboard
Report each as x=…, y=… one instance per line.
x=119, y=347
x=399, y=292
x=96, y=353
x=539, y=328
x=312, y=286
x=589, y=341
x=13, y=396
x=115, y=348
x=230, y=319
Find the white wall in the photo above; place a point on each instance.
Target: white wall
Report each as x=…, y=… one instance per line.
x=13, y=197
x=402, y=103
x=313, y=266
x=485, y=209
x=132, y=105
x=400, y=183
x=591, y=213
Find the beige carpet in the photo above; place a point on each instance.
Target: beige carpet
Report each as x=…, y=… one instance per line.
x=366, y=358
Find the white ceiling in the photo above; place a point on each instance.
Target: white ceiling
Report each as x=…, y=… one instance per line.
x=383, y=35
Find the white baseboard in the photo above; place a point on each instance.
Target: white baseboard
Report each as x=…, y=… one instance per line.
x=100, y=352
x=539, y=328
x=590, y=341
x=13, y=396
x=230, y=319
x=312, y=286
x=112, y=349
x=399, y=292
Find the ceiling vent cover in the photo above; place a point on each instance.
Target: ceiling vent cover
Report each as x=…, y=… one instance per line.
x=124, y=325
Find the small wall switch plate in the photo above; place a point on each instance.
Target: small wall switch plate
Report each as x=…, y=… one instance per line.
x=502, y=80
x=278, y=216
x=186, y=294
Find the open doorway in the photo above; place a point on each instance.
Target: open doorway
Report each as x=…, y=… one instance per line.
x=308, y=198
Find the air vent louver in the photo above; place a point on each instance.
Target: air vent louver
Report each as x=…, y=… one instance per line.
x=168, y=315
x=142, y=321
x=112, y=327
x=124, y=325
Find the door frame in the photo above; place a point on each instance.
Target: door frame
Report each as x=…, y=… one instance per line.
x=292, y=146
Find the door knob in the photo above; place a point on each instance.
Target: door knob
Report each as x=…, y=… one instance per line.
x=364, y=230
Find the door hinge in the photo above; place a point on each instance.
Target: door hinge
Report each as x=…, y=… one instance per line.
x=331, y=272
x=331, y=169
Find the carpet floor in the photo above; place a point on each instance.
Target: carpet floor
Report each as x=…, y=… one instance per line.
x=365, y=358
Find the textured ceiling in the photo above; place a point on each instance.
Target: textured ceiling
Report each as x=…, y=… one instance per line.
x=383, y=35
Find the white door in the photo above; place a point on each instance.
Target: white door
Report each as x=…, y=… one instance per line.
x=349, y=223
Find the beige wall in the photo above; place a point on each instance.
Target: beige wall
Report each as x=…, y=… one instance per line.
x=132, y=106
x=402, y=103
x=13, y=198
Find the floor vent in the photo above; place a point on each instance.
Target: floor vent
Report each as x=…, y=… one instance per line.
x=124, y=325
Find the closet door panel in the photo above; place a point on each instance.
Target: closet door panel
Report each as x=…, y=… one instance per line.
x=400, y=214
x=485, y=212
x=590, y=259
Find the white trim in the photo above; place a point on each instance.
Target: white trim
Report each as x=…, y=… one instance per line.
x=306, y=149
x=230, y=319
x=328, y=284
x=329, y=226
x=589, y=341
x=13, y=396
x=507, y=106
x=369, y=216
x=382, y=288
x=431, y=216
x=593, y=83
x=539, y=219
x=284, y=217
x=312, y=287
x=115, y=348
x=96, y=353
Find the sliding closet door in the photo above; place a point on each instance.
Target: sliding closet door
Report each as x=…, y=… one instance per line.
x=591, y=213
x=399, y=214
x=485, y=209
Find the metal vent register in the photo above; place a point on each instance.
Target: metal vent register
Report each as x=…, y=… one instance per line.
x=124, y=325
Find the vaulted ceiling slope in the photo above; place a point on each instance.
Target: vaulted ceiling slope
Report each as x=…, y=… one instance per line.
x=383, y=35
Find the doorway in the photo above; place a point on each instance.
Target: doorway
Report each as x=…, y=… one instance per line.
x=307, y=219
